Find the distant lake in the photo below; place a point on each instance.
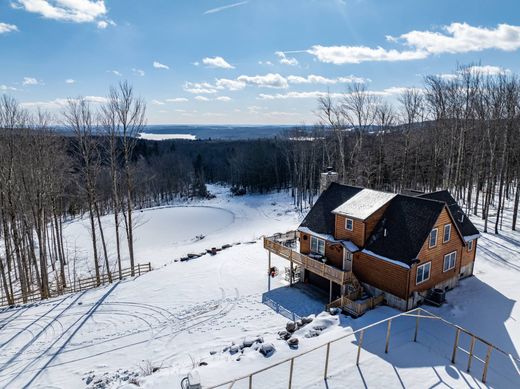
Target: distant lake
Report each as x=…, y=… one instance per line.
x=168, y=131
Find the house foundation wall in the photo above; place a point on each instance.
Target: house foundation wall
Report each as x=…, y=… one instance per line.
x=467, y=270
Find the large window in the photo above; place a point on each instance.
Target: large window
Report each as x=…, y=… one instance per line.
x=449, y=261
x=447, y=233
x=433, y=237
x=349, y=224
x=423, y=273
x=317, y=245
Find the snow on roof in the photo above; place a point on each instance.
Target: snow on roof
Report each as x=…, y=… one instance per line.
x=364, y=203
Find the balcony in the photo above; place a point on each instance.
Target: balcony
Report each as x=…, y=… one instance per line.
x=281, y=245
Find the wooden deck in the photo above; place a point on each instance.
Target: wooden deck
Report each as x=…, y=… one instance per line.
x=277, y=244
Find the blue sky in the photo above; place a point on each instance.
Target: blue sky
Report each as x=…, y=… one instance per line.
x=244, y=62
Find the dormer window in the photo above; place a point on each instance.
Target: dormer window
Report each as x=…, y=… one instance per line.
x=433, y=238
x=447, y=233
x=349, y=224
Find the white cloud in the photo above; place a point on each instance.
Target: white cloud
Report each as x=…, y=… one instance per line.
x=115, y=72
x=30, y=81
x=315, y=79
x=7, y=87
x=138, y=72
x=463, y=38
x=201, y=98
x=217, y=62
x=231, y=85
x=270, y=80
x=486, y=70
x=339, y=55
x=286, y=60
x=77, y=11
x=318, y=94
x=454, y=38
x=199, y=88
x=157, y=102
x=70, y=81
x=97, y=99
x=159, y=65
x=62, y=102
x=223, y=98
x=267, y=63
x=5, y=28
x=177, y=100
x=224, y=7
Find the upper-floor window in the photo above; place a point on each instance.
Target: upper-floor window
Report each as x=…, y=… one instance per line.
x=349, y=224
x=317, y=245
x=470, y=246
x=449, y=261
x=433, y=238
x=423, y=273
x=447, y=233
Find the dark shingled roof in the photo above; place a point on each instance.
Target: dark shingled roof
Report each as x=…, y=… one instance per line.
x=464, y=225
x=320, y=218
x=408, y=222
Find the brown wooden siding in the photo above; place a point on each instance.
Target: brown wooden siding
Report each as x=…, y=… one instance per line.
x=372, y=220
x=381, y=274
x=469, y=256
x=357, y=235
x=436, y=254
x=333, y=251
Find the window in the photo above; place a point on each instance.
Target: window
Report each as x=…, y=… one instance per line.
x=447, y=233
x=433, y=237
x=317, y=245
x=349, y=224
x=470, y=246
x=449, y=261
x=423, y=273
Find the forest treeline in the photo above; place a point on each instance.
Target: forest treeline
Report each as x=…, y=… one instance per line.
x=460, y=132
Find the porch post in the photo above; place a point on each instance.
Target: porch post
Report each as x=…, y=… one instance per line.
x=291, y=269
x=269, y=272
x=330, y=292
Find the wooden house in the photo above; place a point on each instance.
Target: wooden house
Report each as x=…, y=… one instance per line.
x=364, y=246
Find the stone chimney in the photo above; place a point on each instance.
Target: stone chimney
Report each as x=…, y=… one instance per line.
x=327, y=178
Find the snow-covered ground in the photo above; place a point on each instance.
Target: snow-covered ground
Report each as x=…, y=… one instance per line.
x=183, y=314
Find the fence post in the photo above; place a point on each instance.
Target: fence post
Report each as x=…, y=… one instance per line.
x=388, y=335
x=139, y=269
x=416, y=326
x=149, y=266
x=360, y=343
x=291, y=372
x=470, y=356
x=486, y=364
x=455, y=346
x=326, y=362
x=251, y=381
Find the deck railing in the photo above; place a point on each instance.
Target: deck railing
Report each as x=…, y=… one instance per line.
x=275, y=245
x=78, y=285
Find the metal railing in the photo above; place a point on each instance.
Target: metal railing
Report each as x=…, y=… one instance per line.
x=417, y=313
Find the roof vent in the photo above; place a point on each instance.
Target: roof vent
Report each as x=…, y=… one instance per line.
x=462, y=218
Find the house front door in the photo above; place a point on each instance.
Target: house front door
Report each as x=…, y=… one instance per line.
x=347, y=260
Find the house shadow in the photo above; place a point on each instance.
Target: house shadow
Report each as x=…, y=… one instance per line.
x=474, y=305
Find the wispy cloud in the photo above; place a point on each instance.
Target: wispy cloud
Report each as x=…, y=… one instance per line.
x=224, y=7
x=5, y=28
x=70, y=81
x=217, y=62
x=159, y=65
x=201, y=98
x=115, y=72
x=199, y=88
x=177, y=100
x=138, y=72
x=30, y=81
x=284, y=60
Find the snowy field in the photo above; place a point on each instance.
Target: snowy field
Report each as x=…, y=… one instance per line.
x=183, y=314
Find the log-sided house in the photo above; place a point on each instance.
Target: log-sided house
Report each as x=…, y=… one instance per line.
x=364, y=246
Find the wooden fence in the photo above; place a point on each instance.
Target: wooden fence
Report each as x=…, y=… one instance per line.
x=78, y=285
x=418, y=314
x=356, y=308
